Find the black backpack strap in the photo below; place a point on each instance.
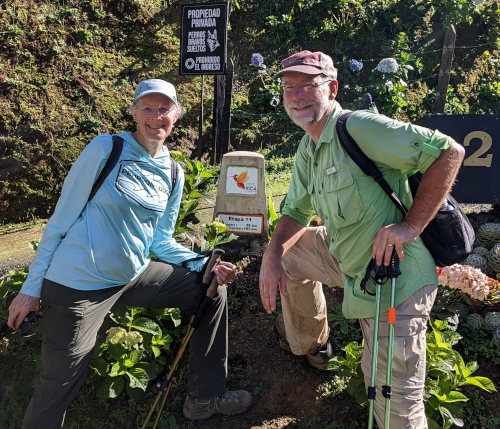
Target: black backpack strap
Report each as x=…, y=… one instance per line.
x=110, y=163
x=364, y=163
x=174, y=169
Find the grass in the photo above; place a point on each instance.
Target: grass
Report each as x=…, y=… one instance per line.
x=16, y=227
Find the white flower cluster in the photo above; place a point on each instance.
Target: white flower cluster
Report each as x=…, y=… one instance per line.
x=388, y=65
x=468, y=279
x=118, y=335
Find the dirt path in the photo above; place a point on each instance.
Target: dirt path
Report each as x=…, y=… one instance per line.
x=15, y=250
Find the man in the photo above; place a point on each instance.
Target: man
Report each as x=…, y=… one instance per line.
x=361, y=223
x=94, y=254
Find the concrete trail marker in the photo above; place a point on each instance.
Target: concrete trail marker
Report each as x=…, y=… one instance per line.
x=241, y=195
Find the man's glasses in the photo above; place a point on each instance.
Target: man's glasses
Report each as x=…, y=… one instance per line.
x=149, y=112
x=289, y=89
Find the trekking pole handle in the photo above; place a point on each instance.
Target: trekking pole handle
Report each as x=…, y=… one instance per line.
x=393, y=270
x=208, y=277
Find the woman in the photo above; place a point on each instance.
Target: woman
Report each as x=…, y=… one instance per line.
x=96, y=253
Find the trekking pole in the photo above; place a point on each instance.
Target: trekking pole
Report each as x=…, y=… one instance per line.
x=393, y=272
x=210, y=281
x=379, y=280
x=382, y=273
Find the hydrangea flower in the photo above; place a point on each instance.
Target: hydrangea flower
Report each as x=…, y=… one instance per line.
x=355, y=65
x=131, y=339
x=389, y=85
x=257, y=60
x=388, y=65
x=115, y=335
x=471, y=281
x=275, y=101
x=118, y=335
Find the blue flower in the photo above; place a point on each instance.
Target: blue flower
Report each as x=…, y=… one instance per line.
x=257, y=60
x=355, y=65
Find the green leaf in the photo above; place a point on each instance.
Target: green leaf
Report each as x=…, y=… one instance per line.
x=117, y=351
x=136, y=355
x=459, y=364
x=433, y=402
x=136, y=395
x=450, y=419
x=117, y=369
x=482, y=382
x=127, y=363
x=271, y=212
x=116, y=387
x=455, y=396
x=100, y=366
x=151, y=368
x=472, y=367
x=146, y=325
x=110, y=388
x=175, y=315
x=356, y=388
x=195, y=194
x=432, y=424
x=121, y=315
x=156, y=351
x=138, y=378
x=451, y=337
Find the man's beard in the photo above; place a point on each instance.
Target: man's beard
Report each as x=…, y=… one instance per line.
x=314, y=114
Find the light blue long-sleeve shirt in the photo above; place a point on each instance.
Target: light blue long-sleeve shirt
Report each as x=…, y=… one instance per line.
x=108, y=241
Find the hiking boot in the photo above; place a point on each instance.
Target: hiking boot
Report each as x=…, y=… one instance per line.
x=318, y=360
x=231, y=403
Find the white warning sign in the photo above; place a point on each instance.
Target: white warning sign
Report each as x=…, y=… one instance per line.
x=243, y=223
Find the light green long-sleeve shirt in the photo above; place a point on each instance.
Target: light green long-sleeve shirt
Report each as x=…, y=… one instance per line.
x=353, y=207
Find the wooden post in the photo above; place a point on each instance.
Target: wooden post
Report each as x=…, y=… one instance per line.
x=222, y=113
x=444, y=72
x=200, y=125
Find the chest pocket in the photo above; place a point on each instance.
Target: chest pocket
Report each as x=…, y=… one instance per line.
x=343, y=197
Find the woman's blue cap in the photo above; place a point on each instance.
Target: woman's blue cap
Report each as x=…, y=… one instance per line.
x=155, y=86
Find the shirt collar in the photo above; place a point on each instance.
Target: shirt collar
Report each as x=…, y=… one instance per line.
x=328, y=130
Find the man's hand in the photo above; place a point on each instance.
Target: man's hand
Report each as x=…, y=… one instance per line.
x=272, y=275
x=225, y=272
x=287, y=233
x=20, y=307
x=391, y=237
x=436, y=183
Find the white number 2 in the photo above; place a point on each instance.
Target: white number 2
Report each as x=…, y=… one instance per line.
x=475, y=160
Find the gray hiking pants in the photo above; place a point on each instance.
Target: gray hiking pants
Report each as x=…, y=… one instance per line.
x=72, y=318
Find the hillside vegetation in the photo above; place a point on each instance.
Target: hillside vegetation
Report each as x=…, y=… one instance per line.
x=68, y=69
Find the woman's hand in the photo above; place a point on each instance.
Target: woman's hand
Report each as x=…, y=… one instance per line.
x=20, y=307
x=225, y=272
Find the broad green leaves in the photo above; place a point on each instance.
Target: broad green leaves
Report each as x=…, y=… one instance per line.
x=134, y=350
x=446, y=373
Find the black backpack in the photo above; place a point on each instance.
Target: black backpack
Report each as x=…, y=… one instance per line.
x=449, y=236
x=113, y=159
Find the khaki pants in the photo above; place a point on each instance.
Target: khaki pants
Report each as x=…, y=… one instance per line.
x=309, y=264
